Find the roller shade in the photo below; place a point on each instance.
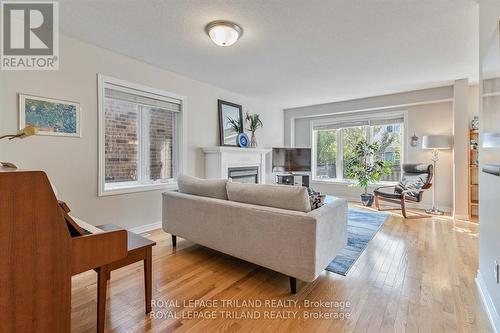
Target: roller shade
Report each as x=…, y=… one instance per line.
x=357, y=123
x=332, y=126
x=387, y=121
x=141, y=97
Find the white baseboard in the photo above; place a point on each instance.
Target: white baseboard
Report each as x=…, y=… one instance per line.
x=146, y=227
x=488, y=303
x=462, y=217
x=429, y=206
x=408, y=204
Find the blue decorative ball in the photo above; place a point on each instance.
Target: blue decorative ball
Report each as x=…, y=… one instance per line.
x=243, y=140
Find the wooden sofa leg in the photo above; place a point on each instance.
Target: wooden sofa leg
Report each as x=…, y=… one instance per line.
x=293, y=285
x=174, y=241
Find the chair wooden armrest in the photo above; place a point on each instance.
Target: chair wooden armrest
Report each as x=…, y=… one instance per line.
x=92, y=251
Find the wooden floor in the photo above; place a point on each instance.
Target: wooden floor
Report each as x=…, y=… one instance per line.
x=416, y=275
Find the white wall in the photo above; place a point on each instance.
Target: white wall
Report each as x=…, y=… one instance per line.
x=425, y=119
x=401, y=99
x=489, y=185
x=71, y=163
x=428, y=111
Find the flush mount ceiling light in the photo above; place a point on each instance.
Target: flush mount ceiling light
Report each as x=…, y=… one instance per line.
x=223, y=33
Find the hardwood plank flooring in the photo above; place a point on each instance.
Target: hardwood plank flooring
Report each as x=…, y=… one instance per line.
x=416, y=275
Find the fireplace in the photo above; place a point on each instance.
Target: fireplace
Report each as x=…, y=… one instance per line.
x=241, y=164
x=244, y=174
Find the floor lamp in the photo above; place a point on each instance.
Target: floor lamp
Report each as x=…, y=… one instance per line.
x=436, y=143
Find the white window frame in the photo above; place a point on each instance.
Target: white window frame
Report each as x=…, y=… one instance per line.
x=179, y=148
x=340, y=159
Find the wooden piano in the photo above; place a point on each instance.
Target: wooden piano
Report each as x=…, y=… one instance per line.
x=40, y=249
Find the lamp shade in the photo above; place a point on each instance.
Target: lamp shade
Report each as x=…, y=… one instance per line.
x=491, y=140
x=436, y=142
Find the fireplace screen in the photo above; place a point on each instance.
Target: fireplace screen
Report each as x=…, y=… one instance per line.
x=244, y=175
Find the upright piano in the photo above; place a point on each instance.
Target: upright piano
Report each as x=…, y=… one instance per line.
x=40, y=249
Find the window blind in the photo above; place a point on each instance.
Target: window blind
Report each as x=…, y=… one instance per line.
x=344, y=124
x=141, y=97
x=387, y=121
x=358, y=123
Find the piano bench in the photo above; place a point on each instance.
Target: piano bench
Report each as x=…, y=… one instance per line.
x=139, y=248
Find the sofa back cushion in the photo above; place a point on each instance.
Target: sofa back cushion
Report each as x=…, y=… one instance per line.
x=213, y=188
x=277, y=196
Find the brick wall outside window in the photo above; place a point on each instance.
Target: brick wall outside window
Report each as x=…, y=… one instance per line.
x=160, y=143
x=121, y=119
x=121, y=141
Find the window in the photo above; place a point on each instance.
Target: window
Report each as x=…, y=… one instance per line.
x=390, y=149
x=350, y=137
x=334, y=143
x=139, y=137
x=326, y=154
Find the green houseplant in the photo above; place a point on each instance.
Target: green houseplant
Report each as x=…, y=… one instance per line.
x=366, y=167
x=254, y=123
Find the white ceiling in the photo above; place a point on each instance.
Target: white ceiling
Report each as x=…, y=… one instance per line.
x=293, y=52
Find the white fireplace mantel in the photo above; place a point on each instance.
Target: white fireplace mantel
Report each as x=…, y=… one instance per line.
x=218, y=160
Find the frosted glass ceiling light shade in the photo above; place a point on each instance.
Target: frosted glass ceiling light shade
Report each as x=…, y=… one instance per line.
x=436, y=142
x=224, y=33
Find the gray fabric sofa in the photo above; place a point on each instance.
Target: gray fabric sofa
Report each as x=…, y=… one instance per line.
x=299, y=243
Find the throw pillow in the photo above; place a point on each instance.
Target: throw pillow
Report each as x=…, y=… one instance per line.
x=316, y=198
x=277, y=196
x=400, y=187
x=414, y=186
x=213, y=188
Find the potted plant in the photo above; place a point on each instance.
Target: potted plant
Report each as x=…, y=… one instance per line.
x=254, y=123
x=237, y=126
x=365, y=167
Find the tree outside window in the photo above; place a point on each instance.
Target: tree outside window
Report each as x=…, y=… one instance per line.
x=330, y=142
x=389, y=139
x=350, y=138
x=326, y=154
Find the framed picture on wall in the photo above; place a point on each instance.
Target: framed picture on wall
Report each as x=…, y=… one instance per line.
x=51, y=116
x=230, y=123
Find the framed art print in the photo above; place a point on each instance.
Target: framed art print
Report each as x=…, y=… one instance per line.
x=51, y=116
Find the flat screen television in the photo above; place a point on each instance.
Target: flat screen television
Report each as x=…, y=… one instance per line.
x=291, y=159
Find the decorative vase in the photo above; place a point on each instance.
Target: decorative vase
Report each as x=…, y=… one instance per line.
x=367, y=199
x=253, y=141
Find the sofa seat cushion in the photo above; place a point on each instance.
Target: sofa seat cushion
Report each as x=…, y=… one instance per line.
x=213, y=188
x=287, y=197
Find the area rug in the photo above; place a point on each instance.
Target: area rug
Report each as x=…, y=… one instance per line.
x=361, y=228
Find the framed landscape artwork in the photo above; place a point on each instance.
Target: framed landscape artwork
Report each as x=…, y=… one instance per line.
x=50, y=116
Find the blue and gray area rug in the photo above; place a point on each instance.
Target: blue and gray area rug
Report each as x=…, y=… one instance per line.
x=361, y=228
